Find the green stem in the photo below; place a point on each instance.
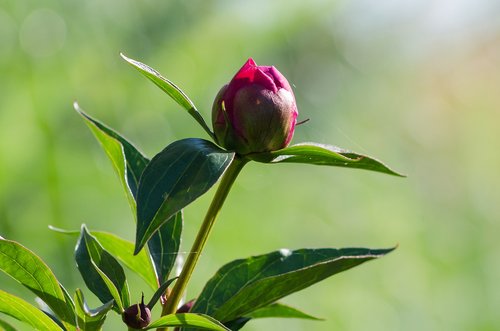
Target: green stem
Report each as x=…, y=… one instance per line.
x=220, y=196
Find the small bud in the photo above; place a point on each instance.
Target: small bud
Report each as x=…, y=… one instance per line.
x=256, y=112
x=185, y=308
x=137, y=316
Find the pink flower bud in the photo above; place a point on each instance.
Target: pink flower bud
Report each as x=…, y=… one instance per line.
x=256, y=112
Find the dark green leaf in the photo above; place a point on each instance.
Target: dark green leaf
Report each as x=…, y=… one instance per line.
x=90, y=319
x=245, y=285
x=127, y=161
x=100, y=270
x=164, y=246
x=237, y=324
x=319, y=154
x=159, y=292
x=171, y=89
x=280, y=310
x=4, y=326
x=198, y=321
x=23, y=311
x=27, y=268
x=123, y=250
x=174, y=178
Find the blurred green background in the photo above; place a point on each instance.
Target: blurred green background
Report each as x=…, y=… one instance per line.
x=414, y=83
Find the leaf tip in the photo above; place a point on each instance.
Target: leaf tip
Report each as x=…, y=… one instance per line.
x=76, y=106
x=123, y=56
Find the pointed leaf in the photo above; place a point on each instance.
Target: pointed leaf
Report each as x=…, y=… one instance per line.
x=90, y=319
x=127, y=160
x=24, y=312
x=28, y=269
x=280, y=310
x=198, y=321
x=94, y=261
x=123, y=250
x=320, y=154
x=174, y=178
x=164, y=246
x=171, y=89
x=245, y=285
x=129, y=164
x=111, y=288
x=159, y=292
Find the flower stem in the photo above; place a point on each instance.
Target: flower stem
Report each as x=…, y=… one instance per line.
x=220, y=196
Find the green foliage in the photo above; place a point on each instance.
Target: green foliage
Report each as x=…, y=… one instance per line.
x=128, y=161
x=23, y=311
x=280, y=310
x=4, y=326
x=171, y=89
x=159, y=293
x=101, y=272
x=245, y=285
x=164, y=246
x=129, y=164
x=28, y=269
x=198, y=321
x=174, y=178
x=123, y=250
x=90, y=319
x=320, y=154
x=157, y=191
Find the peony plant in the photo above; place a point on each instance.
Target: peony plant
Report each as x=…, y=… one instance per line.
x=254, y=117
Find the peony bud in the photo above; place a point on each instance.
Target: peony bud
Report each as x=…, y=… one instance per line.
x=137, y=316
x=185, y=308
x=256, y=112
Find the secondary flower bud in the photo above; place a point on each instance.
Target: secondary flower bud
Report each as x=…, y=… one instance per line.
x=137, y=316
x=255, y=112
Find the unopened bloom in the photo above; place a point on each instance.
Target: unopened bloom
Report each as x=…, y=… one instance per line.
x=137, y=316
x=255, y=112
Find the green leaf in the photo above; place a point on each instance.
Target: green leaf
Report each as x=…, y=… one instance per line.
x=159, y=292
x=280, y=310
x=319, y=154
x=164, y=246
x=24, y=312
x=127, y=160
x=4, y=326
x=90, y=319
x=171, y=89
x=174, y=178
x=111, y=288
x=129, y=163
x=123, y=250
x=100, y=270
x=28, y=269
x=245, y=285
x=273, y=310
x=198, y=321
